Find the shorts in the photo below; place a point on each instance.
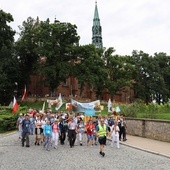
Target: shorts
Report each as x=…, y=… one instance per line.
x=102, y=140
x=41, y=131
x=90, y=137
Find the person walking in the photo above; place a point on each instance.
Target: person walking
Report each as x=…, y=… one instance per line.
x=47, y=135
x=122, y=127
x=62, y=128
x=55, y=133
x=72, y=131
x=25, y=128
x=32, y=127
x=115, y=134
x=101, y=132
x=81, y=130
x=38, y=130
x=90, y=130
x=19, y=124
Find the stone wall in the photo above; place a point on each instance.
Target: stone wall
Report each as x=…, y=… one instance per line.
x=149, y=128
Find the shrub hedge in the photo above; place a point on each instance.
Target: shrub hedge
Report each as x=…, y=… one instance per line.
x=8, y=122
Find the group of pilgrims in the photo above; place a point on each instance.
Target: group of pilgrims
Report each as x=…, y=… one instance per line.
x=50, y=129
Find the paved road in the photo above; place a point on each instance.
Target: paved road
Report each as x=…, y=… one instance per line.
x=15, y=157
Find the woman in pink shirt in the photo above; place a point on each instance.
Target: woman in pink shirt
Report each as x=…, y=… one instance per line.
x=55, y=133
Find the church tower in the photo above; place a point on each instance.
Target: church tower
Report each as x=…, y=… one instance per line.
x=97, y=29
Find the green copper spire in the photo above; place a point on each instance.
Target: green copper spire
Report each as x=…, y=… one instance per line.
x=97, y=29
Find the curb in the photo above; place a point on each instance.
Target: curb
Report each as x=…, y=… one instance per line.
x=7, y=134
x=145, y=150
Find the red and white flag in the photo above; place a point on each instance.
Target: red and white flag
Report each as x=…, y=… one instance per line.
x=15, y=105
x=24, y=95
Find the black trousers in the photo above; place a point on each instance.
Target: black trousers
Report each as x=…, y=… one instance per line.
x=122, y=132
x=71, y=137
x=62, y=137
x=25, y=135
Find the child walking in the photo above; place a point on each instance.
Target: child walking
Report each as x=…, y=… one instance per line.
x=115, y=134
x=47, y=135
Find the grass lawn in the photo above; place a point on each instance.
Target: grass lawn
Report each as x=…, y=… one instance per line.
x=165, y=116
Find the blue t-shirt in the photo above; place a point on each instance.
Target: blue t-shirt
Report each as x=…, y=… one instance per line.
x=47, y=130
x=26, y=125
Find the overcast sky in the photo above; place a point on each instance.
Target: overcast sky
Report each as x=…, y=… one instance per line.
x=127, y=25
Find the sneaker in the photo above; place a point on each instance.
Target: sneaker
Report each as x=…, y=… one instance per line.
x=55, y=147
x=81, y=144
x=100, y=153
x=22, y=145
x=48, y=149
x=103, y=154
x=38, y=144
x=35, y=143
x=27, y=146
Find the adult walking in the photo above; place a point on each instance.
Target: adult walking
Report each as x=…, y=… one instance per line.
x=72, y=131
x=101, y=132
x=26, y=130
x=55, y=133
x=19, y=124
x=122, y=126
x=62, y=129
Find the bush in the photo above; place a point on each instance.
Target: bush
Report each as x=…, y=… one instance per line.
x=8, y=122
x=130, y=110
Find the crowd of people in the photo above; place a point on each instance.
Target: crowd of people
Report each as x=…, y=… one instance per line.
x=51, y=128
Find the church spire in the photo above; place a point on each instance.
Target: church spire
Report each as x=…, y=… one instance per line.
x=97, y=29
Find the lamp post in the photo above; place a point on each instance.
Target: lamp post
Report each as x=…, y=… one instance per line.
x=16, y=89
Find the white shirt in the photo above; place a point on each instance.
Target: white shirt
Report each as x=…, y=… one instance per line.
x=72, y=125
x=115, y=132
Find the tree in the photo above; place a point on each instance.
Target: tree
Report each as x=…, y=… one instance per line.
x=89, y=69
x=46, y=49
x=151, y=76
x=119, y=72
x=162, y=85
x=58, y=41
x=9, y=64
x=26, y=49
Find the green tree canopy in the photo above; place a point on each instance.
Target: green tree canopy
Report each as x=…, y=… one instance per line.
x=8, y=61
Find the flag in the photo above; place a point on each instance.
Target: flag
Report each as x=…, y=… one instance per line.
x=101, y=107
x=59, y=102
x=43, y=108
x=109, y=106
x=11, y=104
x=15, y=105
x=118, y=109
x=68, y=106
x=25, y=91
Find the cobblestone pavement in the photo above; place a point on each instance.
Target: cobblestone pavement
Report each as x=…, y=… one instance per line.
x=15, y=157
